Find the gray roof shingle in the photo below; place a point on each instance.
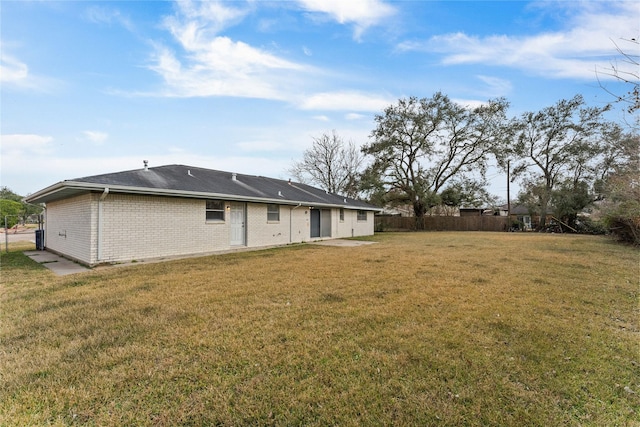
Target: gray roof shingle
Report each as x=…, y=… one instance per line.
x=188, y=181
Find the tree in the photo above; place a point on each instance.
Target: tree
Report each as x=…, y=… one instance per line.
x=11, y=210
x=331, y=164
x=421, y=145
x=620, y=189
x=25, y=209
x=570, y=199
x=564, y=141
x=468, y=193
x=626, y=71
x=7, y=194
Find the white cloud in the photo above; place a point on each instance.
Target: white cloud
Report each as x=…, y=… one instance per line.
x=214, y=65
x=354, y=116
x=575, y=52
x=224, y=68
x=254, y=146
x=205, y=18
x=24, y=145
x=12, y=70
x=108, y=16
x=322, y=118
x=208, y=64
x=469, y=103
x=495, y=86
x=361, y=13
x=15, y=73
x=94, y=137
x=346, y=100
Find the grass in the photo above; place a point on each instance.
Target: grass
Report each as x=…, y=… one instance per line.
x=504, y=329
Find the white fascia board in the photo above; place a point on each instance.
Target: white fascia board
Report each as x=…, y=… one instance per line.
x=45, y=192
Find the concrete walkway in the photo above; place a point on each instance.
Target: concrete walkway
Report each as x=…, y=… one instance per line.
x=341, y=242
x=62, y=266
x=59, y=265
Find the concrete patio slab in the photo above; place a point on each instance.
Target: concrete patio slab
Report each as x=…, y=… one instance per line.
x=59, y=265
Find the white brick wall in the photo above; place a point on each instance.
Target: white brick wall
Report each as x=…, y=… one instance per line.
x=351, y=227
x=135, y=227
x=138, y=227
x=69, y=227
x=293, y=226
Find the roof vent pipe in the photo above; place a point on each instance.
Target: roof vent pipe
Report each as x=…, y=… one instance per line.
x=146, y=164
x=234, y=177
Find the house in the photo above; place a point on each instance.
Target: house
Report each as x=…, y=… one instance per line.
x=525, y=217
x=479, y=212
x=177, y=210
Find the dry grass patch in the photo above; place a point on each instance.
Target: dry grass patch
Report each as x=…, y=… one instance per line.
x=421, y=328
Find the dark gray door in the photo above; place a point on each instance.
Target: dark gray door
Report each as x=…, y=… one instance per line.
x=315, y=223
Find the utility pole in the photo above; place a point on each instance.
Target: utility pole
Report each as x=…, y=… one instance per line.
x=508, y=196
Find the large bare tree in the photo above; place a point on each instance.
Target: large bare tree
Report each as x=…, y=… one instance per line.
x=332, y=164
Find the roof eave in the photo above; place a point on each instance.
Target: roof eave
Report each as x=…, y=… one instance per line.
x=48, y=194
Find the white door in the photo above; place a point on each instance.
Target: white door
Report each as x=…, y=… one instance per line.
x=236, y=220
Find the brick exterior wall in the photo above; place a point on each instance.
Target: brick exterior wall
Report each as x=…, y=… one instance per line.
x=69, y=227
x=125, y=227
x=350, y=226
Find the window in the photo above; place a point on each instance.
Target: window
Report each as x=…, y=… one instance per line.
x=341, y=214
x=215, y=210
x=362, y=215
x=273, y=213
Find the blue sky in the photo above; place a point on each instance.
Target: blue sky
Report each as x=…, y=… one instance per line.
x=96, y=87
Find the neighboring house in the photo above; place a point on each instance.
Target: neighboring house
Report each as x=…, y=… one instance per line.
x=480, y=212
x=403, y=210
x=526, y=219
x=179, y=210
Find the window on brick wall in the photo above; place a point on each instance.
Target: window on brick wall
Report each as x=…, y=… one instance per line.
x=273, y=213
x=362, y=215
x=215, y=210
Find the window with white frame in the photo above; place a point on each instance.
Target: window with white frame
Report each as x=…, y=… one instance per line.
x=362, y=215
x=273, y=213
x=341, y=214
x=214, y=210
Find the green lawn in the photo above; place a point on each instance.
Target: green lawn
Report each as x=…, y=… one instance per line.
x=502, y=329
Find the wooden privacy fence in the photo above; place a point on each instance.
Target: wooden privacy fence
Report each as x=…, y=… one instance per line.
x=442, y=223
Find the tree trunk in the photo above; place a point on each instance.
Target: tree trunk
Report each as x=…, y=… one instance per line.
x=419, y=210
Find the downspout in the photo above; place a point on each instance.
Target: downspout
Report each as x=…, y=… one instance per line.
x=291, y=221
x=100, y=219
